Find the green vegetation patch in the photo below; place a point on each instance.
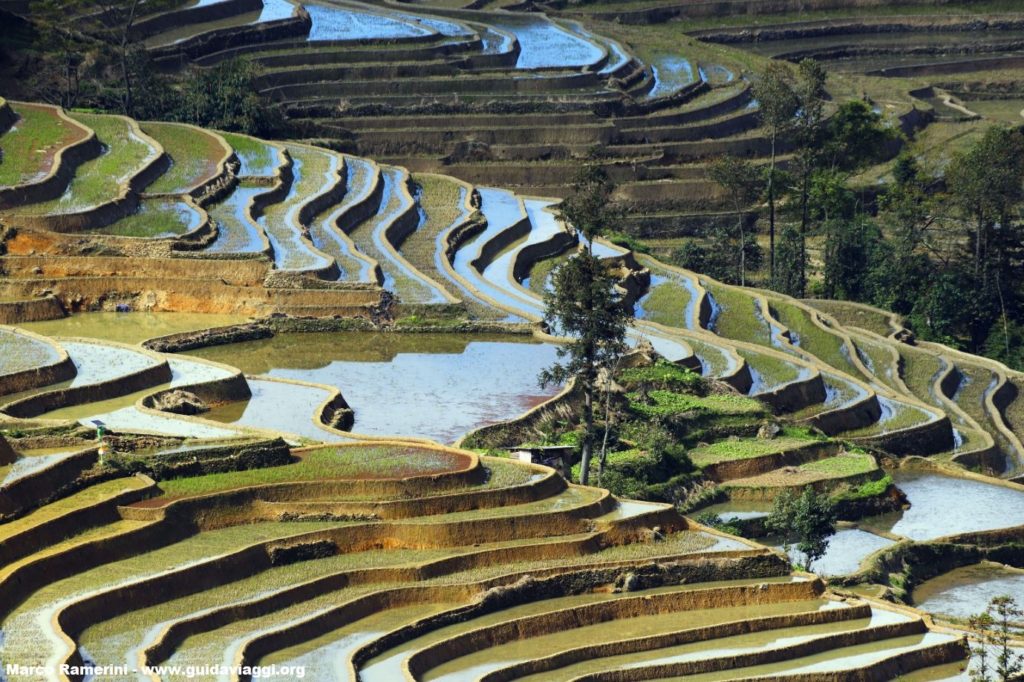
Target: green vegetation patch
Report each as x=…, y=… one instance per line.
x=27, y=150
x=774, y=371
x=363, y=462
x=826, y=346
x=542, y=270
x=739, y=318
x=664, y=375
x=661, y=403
x=852, y=315
x=667, y=304
x=99, y=181
x=194, y=154
x=442, y=201
x=84, y=498
x=744, y=448
x=842, y=466
x=256, y=157
x=866, y=490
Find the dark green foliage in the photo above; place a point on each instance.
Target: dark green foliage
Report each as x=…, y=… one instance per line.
x=721, y=257
x=855, y=137
x=627, y=242
x=657, y=459
x=742, y=184
x=848, y=252
x=588, y=207
x=663, y=375
x=224, y=97
x=583, y=306
x=789, y=274
x=805, y=521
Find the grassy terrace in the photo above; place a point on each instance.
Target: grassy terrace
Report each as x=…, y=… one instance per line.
x=542, y=270
x=970, y=397
x=902, y=416
x=827, y=347
x=667, y=403
x=108, y=641
x=256, y=157
x=740, y=316
x=842, y=466
x=99, y=181
x=83, y=498
x=668, y=300
x=878, y=357
x=441, y=200
x=1014, y=412
x=369, y=238
x=745, y=448
x=667, y=304
x=194, y=155
x=773, y=371
x=27, y=627
x=920, y=369
x=130, y=328
x=852, y=315
x=213, y=644
x=325, y=466
x=368, y=461
x=715, y=358
x=314, y=174
x=27, y=150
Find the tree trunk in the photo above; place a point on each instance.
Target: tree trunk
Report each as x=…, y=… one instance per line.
x=771, y=214
x=126, y=73
x=588, y=431
x=607, y=427
x=804, y=219
x=743, y=247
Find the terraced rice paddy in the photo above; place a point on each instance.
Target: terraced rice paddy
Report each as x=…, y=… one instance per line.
x=379, y=557
x=372, y=239
x=383, y=379
x=964, y=592
x=257, y=158
x=29, y=148
x=156, y=219
x=194, y=156
x=980, y=506
x=545, y=44
x=343, y=23
x=100, y=180
x=315, y=172
x=237, y=232
x=130, y=328
x=19, y=352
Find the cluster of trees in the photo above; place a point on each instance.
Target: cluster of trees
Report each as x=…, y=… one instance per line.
x=87, y=53
x=995, y=658
x=944, y=247
x=583, y=305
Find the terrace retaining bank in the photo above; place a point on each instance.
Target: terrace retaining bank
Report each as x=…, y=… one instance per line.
x=32, y=309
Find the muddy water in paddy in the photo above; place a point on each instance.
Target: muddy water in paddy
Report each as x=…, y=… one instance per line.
x=945, y=505
x=129, y=327
x=436, y=386
x=966, y=591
